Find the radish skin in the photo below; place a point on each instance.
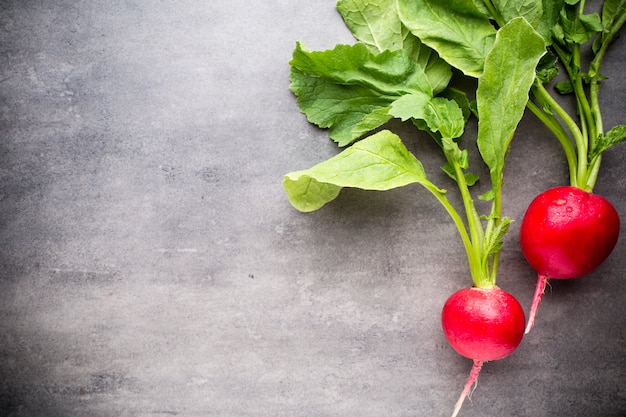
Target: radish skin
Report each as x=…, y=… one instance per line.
x=566, y=233
x=482, y=324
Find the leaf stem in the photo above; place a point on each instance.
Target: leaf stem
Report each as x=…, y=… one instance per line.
x=592, y=173
x=540, y=91
x=480, y=276
x=494, y=220
x=584, y=109
x=564, y=139
x=608, y=39
x=458, y=222
x=594, y=93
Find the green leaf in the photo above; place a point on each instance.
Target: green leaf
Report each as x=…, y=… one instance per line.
x=454, y=152
x=488, y=196
x=446, y=117
x=348, y=89
x=531, y=10
x=388, y=73
x=440, y=114
x=470, y=178
x=438, y=72
x=374, y=22
x=495, y=240
x=457, y=29
x=307, y=194
x=612, y=137
x=549, y=19
x=348, y=111
x=379, y=162
x=564, y=87
x=482, y=8
x=613, y=12
x=370, y=122
x=547, y=69
x=459, y=157
x=461, y=100
x=503, y=89
x=410, y=106
x=579, y=28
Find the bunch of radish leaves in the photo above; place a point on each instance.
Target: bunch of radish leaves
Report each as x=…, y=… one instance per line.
x=389, y=73
x=400, y=67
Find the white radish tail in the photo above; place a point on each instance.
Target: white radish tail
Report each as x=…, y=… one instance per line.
x=468, y=386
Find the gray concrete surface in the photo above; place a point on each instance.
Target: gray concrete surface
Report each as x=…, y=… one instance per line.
x=152, y=266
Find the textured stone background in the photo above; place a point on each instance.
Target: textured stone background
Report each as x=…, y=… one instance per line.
x=152, y=266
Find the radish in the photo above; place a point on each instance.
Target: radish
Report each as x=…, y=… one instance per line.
x=354, y=89
x=482, y=324
x=566, y=233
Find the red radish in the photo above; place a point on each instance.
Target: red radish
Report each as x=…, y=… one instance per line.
x=482, y=324
x=566, y=233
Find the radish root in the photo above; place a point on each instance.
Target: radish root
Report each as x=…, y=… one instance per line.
x=468, y=386
x=542, y=282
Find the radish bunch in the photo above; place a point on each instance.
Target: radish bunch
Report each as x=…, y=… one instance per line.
x=401, y=67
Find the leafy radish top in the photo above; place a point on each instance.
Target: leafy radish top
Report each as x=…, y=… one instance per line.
x=395, y=71
x=401, y=66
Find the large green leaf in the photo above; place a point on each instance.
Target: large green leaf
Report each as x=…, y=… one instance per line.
x=388, y=73
x=503, y=89
x=379, y=162
x=374, y=22
x=459, y=32
x=550, y=18
x=349, y=89
x=348, y=111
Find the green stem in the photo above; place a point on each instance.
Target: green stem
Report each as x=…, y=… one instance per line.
x=584, y=109
x=495, y=219
x=594, y=166
x=577, y=134
x=594, y=92
x=572, y=66
x=608, y=39
x=476, y=232
x=458, y=222
x=593, y=171
x=553, y=124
